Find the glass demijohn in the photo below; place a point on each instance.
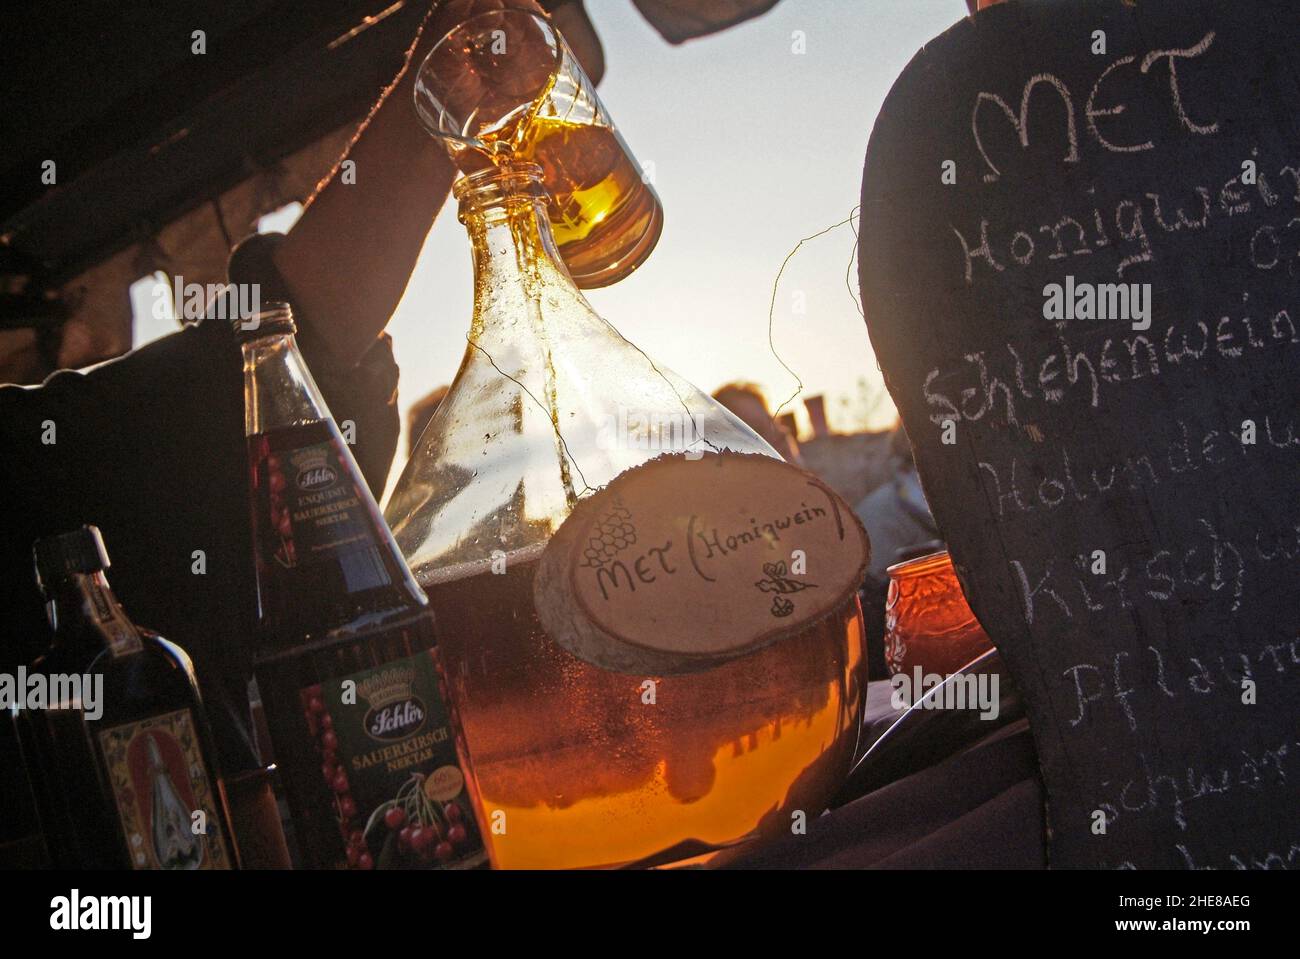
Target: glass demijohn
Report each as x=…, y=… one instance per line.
x=550, y=404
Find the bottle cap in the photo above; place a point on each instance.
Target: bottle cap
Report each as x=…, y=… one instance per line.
x=80, y=551
x=277, y=317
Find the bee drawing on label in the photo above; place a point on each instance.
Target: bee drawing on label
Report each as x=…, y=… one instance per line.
x=777, y=582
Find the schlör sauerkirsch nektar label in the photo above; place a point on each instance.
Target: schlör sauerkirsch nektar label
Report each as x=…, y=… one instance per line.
x=388, y=755
x=319, y=515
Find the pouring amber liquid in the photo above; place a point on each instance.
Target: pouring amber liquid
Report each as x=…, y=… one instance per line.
x=605, y=217
x=504, y=88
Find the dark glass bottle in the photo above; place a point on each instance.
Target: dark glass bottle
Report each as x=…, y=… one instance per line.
x=122, y=768
x=346, y=661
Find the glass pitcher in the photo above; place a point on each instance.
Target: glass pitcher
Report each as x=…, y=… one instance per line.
x=504, y=85
x=578, y=765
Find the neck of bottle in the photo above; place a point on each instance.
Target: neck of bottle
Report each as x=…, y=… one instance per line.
x=515, y=254
x=278, y=388
x=83, y=611
x=324, y=556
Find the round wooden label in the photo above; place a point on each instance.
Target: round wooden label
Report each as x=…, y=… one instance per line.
x=682, y=563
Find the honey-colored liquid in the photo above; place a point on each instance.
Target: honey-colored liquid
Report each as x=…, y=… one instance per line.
x=587, y=772
x=606, y=218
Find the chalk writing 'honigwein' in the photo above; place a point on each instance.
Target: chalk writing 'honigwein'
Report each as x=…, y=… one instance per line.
x=1138, y=226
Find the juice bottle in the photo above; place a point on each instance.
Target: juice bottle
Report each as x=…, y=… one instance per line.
x=345, y=660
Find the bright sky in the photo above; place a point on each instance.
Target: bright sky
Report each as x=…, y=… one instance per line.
x=754, y=147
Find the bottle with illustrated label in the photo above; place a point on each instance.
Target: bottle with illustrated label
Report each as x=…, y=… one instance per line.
x=648, y=621
x=345, y=659
x=118, y=752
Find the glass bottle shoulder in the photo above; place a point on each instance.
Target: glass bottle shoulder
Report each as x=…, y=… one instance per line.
x=549, y=405
x=157, y=677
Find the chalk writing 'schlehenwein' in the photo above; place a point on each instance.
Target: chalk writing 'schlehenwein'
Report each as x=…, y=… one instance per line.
x=117, y=748
x=345, y=660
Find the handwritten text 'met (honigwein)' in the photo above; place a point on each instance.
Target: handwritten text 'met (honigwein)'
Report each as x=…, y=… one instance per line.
x=705, y=543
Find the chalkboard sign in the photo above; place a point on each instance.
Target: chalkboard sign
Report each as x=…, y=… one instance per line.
x=1080, y=265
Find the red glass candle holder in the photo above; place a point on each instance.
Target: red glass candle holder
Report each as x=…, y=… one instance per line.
x=927, y=620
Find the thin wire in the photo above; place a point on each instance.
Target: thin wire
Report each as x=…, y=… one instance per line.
x=771, y=310
x=695, y=426
x=586, y=487
x=853, y=259
x=221, y=221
